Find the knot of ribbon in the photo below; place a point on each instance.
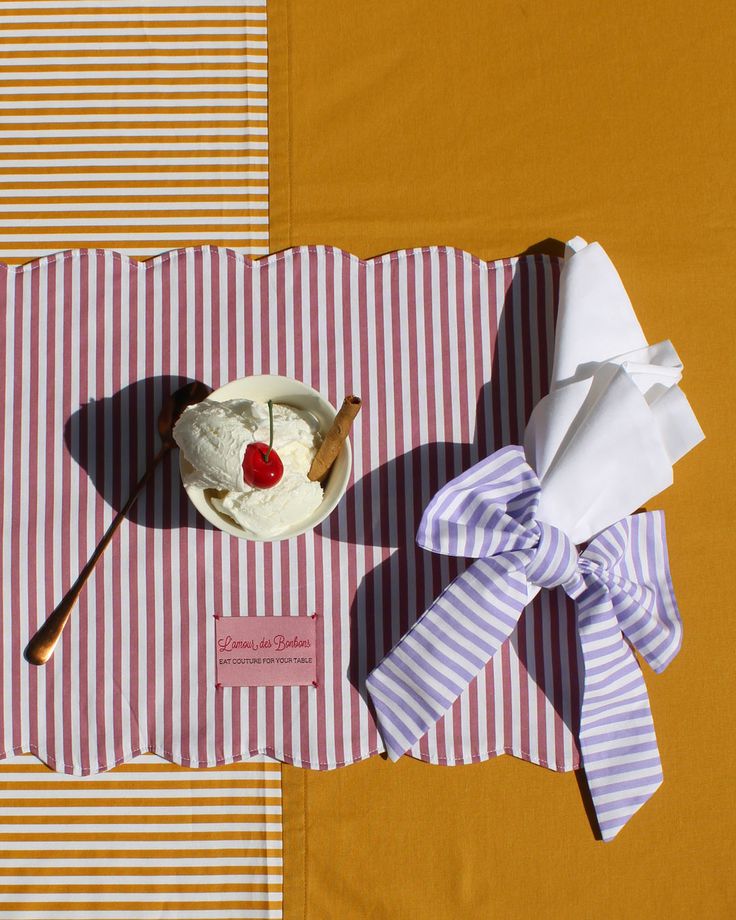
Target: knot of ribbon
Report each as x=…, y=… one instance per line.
x=555, y=561
x=623, y=596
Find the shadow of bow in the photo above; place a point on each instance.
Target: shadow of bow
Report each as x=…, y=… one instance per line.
x=406, y=579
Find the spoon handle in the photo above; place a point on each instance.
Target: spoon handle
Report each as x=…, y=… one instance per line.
x=42, y=645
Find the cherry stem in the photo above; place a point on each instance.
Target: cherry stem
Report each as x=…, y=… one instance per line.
x=270, y=426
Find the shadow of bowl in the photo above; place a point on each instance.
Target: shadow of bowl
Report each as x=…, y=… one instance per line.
x=114, y=438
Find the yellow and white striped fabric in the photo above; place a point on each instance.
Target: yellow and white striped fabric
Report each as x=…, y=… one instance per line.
x=139, y=127
x=132, y=126
x=148, y=839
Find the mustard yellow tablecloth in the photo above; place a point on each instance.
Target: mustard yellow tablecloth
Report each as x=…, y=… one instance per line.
x=493, y=127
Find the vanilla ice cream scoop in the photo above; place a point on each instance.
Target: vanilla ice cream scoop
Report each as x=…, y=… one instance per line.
x=213, y=439
x=213, y=436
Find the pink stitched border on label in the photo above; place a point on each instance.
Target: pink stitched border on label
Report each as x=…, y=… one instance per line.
x=266, y=651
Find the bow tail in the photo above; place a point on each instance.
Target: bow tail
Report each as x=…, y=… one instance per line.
x=617, y=741
x=421, y=677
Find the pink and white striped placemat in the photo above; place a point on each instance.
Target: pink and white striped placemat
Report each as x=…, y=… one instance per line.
x=449, y=352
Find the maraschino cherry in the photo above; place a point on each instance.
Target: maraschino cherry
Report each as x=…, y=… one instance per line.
x=262, y=466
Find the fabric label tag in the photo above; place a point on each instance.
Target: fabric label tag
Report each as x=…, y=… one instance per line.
x=266, y=651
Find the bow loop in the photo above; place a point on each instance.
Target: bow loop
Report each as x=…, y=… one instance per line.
x=630, y=557
x=486, y=511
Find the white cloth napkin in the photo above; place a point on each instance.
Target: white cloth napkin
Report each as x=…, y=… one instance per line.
x=604, y=440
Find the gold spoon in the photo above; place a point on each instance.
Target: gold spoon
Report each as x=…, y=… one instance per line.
x=42, y=645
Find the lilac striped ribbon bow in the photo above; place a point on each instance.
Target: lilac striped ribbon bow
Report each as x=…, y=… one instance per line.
x=622, y=590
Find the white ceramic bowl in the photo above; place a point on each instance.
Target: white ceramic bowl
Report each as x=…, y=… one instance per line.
x=288, y=392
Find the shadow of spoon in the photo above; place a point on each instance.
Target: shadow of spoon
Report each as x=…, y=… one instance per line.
x=42, y=645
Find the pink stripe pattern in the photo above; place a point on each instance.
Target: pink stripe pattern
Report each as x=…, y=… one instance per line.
x=623, y=593
x=450, y=354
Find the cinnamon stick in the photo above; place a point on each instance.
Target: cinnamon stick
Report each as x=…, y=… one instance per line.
x=334, y=439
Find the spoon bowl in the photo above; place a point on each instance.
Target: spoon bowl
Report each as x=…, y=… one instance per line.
x=173, y=407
